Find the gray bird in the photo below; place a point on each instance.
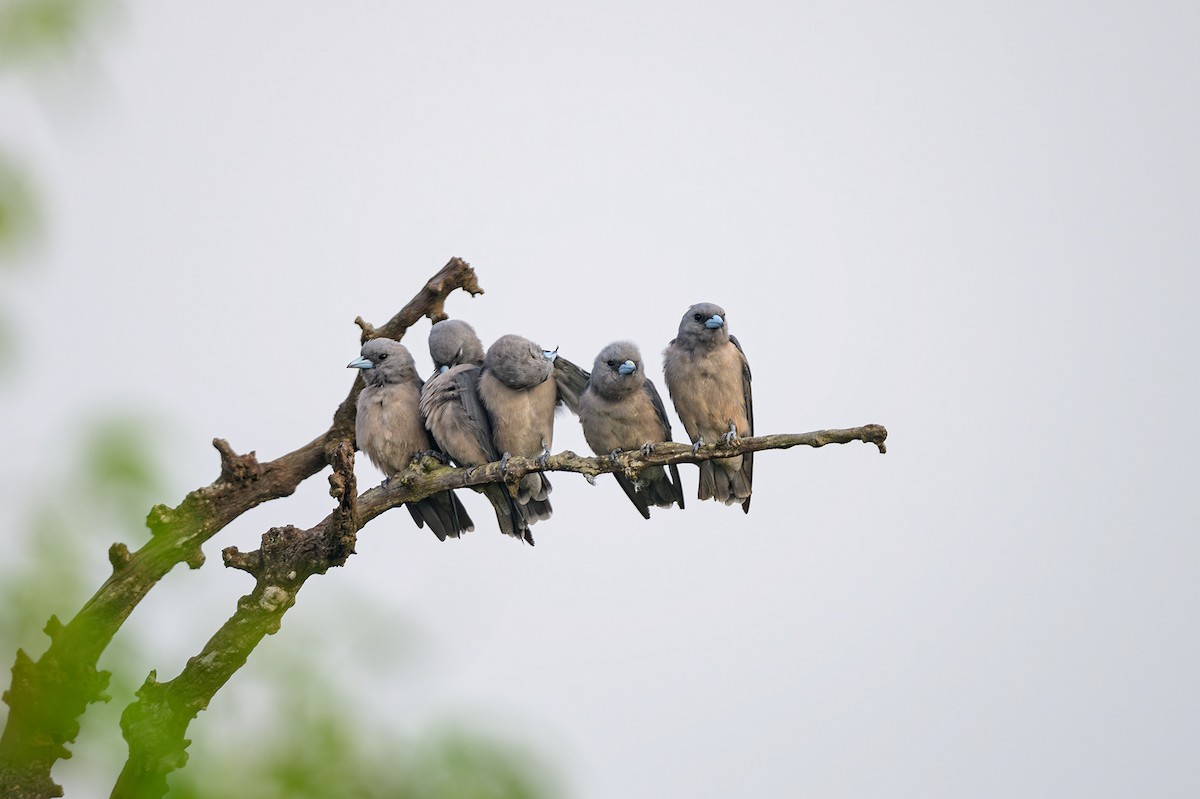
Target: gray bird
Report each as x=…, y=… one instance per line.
x=708, y=378
x=621, y=409
x=516, y=389
x=456, y=418
x=389, y=429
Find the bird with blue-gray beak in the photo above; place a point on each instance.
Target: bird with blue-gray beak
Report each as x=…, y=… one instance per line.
x=708, y=378
x=456, y=418
x=389, y=429
x=516, y=388
x=621, y=410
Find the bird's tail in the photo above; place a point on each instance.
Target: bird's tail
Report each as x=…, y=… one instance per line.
x=533, y=494
x=654, y=487
x=444, y=514
x=661, y=490
x=725, y=481
x=510, y=516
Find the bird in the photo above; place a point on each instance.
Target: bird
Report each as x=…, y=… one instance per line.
x=620, y=409
x=520, y=398
x=457, y=420
x=389, y=429
x=708, y=378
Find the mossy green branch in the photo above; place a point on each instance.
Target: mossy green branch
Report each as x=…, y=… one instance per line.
x=47, y=696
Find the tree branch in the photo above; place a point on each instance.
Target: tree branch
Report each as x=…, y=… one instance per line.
x=48, y=695
x=155, y=724
x=428, y=476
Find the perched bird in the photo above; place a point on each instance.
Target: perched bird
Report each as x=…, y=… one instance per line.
x=708, y=378
x=389, y=429
x=456, y=418
x=516, y=389
x=621, y=410
x=453, y=342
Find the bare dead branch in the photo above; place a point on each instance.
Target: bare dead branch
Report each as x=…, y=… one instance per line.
x=427, y=476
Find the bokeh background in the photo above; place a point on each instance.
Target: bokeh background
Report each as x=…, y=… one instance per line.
x=975, y=224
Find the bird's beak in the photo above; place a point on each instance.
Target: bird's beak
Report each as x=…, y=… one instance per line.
x=443, y=368
x=627, y=368
x=714, y=322
x=360, y=363
x=550, y=355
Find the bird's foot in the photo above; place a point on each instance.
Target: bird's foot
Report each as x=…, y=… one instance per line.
x=544, y=459
x=731, y=437
x=504, y=465
x=438, y=456
x=612, y=456
x=697, y=444
x=648, y=449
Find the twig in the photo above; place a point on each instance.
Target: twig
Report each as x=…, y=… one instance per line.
x=426, y=476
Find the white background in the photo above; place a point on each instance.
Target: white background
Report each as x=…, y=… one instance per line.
x=975, y=224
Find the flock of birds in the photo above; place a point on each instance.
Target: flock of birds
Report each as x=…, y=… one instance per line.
x=480, y=407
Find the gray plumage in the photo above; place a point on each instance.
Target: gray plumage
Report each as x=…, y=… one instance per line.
x=621, y=410
x=456, y=418
x=516, y=389
x=571, y=382
x=389, y=429
x=453, y=342
x=708, y=378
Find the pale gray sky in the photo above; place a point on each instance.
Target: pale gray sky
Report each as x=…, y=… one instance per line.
x=975, y=224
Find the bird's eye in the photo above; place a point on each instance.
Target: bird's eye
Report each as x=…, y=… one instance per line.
x=611, y=364
x=383, y=356
x=697, y=317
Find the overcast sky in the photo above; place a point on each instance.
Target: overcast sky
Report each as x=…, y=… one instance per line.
x=976, y=224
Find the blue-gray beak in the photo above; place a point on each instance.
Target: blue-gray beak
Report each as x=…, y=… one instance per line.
x=360, y=363
x=627, y=368
x=715, y=322
x=550, y=354
x=443, y=369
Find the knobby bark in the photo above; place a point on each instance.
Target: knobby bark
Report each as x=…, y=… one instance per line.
x=48, y=696
x=154, y=725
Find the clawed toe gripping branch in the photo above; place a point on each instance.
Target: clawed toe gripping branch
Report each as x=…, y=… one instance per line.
x=47, y=696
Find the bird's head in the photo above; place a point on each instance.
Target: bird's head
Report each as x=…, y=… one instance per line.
x=705, y=323
x=383, y=360
x=617, y=370
x=453, y=342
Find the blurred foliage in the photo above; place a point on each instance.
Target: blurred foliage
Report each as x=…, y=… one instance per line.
x=8, y=346
x=37, y=34
x=310, y=742
x=35, y=30
x=58, y=557
x=325, y=759
x=18, y=209
x=104, y=496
